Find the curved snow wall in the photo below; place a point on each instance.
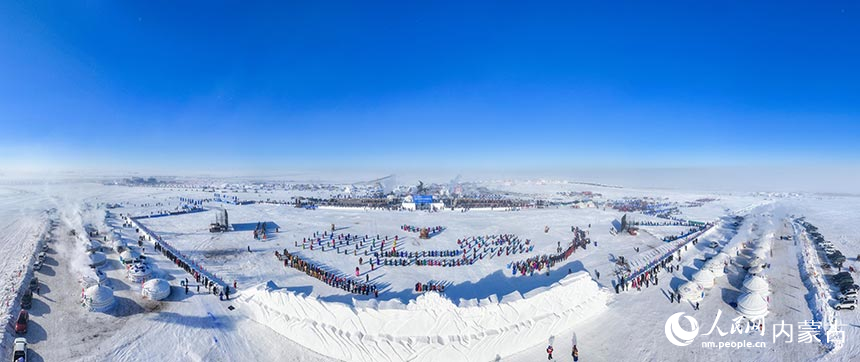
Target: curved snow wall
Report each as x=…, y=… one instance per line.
x=429, y=328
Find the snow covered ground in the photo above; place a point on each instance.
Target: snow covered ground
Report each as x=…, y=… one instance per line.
x=486, y=314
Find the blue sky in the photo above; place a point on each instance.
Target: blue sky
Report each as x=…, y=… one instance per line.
x=191, y=86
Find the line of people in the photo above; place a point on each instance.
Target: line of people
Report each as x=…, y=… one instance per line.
x=332, y=279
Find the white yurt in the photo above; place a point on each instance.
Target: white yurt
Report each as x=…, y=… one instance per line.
x=756, y=270
x=97, y=259
x=752, y=305
x=138, y=272
x=93, y=277
x=98, y=298
x=716, y=267
x=764, y=243
x=129, y=256
x=756, y=261
x=155, y=289
x=756, y=284
x=92, y=245
x=692, y=292
x=704, y=278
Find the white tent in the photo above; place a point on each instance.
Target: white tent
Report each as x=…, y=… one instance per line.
x=92, y=245
x=155, y=289
x=752, y=305
x=93, y=277
x=692, y=292
x=755, y=262
x=756, y=284
x=764, y=243
x=716, y=267
x=138, y=272
x=120, y=245
x=704, y=278
x=756, y=270
x=129, y=256
x=99, y=298
x=97, y=259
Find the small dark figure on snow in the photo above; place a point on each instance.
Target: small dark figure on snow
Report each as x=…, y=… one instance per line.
x=549, y=352
x=575, y=354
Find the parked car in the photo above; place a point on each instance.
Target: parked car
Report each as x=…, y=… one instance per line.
x=847, y=289
x=714, y=244
x=42, y=255
x=21, y=321
x=848, y=294
x=849, y=299
x=27, y=299
x=34, y=283
x=845, y=305
x=829, y=251
x=37, y=265
x=45, y=247
x=20, y=350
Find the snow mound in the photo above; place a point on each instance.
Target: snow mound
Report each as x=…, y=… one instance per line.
x=431, y=327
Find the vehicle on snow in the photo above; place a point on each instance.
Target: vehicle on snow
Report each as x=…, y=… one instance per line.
x=845, y=305
x=20, y=350
x=21, y=321
x=27, y=299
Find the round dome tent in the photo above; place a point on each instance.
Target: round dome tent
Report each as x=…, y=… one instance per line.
x=120, y=245
x=764, y=243
x=752, y=305
x=755, y=262
x=716, y=267
x=92, y=245
x=93, y=277
x=756, y=270
x=155, y=289
x=139, y=272
x=756, y=284
x=692, y=291
x=98, y=298
x=704, y=278
x=97, y=259
x=129, y=256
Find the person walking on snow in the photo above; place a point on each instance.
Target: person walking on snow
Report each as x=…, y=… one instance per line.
x=575, y=354
x=549, y=352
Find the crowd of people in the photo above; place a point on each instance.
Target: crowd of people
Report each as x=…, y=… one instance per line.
x=494, y=245
x=332, y=279
x=540, y=262
x=433, y=230
x=429, y=287
x=349, y=243
x=689, y=232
